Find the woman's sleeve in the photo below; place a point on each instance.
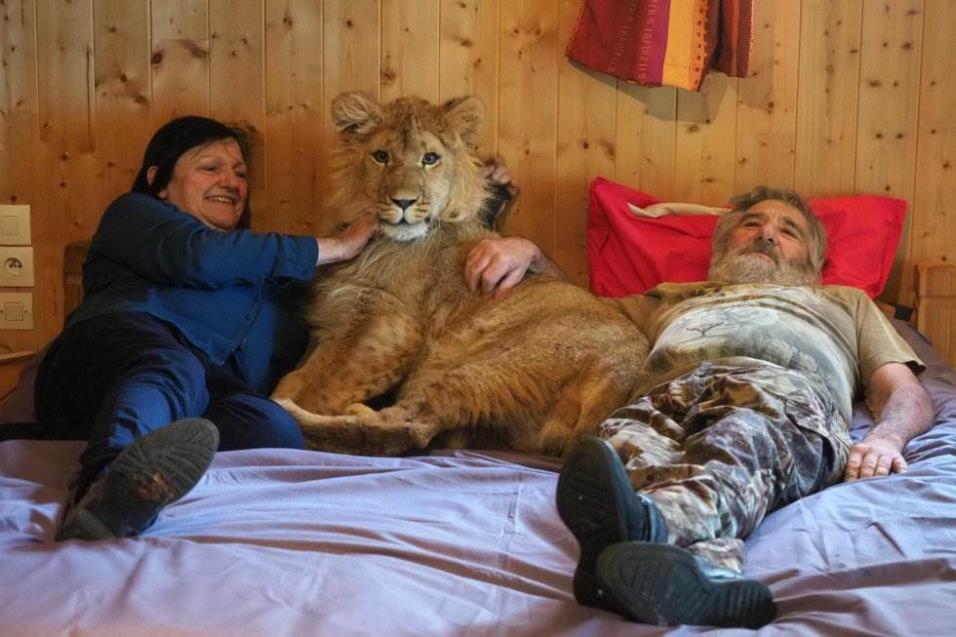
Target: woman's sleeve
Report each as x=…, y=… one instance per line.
x=162, y=244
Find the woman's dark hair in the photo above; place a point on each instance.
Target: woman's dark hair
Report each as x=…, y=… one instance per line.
x=175, y=138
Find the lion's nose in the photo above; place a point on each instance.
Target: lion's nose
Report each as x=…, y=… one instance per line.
x=404, y=203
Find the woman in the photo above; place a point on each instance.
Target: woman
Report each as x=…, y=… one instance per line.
x=188, y=321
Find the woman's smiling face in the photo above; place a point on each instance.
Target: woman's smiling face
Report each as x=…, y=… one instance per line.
x=209, y=183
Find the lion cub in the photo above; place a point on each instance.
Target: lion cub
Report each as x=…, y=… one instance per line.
x=530, y=371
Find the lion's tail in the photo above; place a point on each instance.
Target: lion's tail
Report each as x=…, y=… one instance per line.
x=303, y=417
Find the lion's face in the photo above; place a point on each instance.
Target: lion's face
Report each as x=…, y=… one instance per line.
x=411, y=161
x=409, y=179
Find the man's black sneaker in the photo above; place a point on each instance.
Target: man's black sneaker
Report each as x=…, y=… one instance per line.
x=666, y=585
x=598, y=505
x=156, y=470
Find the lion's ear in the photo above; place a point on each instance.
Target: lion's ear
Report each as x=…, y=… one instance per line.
x=463, y=116
x=355, y=113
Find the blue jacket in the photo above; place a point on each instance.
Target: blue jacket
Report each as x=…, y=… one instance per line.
x=228, y=293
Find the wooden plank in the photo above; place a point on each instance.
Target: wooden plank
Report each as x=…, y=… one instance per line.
x=236, y=66
x=66, y=112
x=236, y=88
x=180, y=59
x=933, y=215
x=18, y=102
x=64, y=187
x=889, y=97
x=647, y=139
x=527, y=114
x=468, y=59
x=121, y=80
x=585, y=148
x=410, y=49
x=180, y=79
x=179, y=19
x=352, y=38
x=889, y=94
x=706, y=128
x=295, y=158
x=828, y=99
x=19, y=141
x=767, y=99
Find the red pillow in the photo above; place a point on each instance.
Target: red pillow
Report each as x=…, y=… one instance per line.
x=628, y=254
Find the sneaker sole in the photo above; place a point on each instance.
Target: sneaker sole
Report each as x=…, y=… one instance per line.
x=592, y=505
x=180, y=451
x=664, y=585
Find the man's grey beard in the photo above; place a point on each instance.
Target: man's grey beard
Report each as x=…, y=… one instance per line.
x=744, y=266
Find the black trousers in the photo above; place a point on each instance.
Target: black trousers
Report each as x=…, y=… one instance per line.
x=114, y=378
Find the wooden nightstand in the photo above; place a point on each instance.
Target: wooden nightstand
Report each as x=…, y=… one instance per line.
x=11, y=367
x=936, y=306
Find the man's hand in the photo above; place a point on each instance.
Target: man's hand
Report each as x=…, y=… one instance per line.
x=874, y=457
x=902, y=409
x=350, y=241
x=498, y=264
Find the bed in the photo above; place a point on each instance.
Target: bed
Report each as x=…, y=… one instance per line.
x=280, y=542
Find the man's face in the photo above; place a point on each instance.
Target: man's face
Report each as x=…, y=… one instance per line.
x=770, y=244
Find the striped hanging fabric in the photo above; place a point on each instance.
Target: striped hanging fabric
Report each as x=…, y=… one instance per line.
x=664, y=42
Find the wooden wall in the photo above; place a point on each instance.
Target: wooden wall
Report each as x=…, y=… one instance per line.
x=844, y=96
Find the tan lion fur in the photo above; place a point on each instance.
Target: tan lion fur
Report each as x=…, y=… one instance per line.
x=530, y=371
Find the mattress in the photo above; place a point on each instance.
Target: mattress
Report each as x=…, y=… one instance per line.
x=283, y=542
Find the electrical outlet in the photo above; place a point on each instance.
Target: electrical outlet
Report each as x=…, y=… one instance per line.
x=14, y=225
x=16, y=267
x=16, y=310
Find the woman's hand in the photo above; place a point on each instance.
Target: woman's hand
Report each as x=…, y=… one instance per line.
x=497, y=173
x=349, y=242
x=501, y=192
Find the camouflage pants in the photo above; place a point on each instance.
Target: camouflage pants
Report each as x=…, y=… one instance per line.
x=720, y=447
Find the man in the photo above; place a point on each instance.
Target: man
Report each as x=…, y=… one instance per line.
x=745, y=408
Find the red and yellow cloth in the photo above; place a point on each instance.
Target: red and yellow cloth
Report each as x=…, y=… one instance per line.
x=658, y=42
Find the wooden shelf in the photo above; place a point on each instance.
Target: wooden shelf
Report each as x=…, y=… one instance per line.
x=16, y=357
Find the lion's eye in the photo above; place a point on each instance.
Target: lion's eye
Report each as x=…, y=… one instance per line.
x=380, y=156
x=430, y=159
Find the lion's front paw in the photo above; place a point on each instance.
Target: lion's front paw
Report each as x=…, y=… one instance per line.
x=359, y=409
x=364, y=435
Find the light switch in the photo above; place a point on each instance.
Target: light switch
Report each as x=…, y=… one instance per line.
x=16, y=311
x=14, y=225
x=13, y=311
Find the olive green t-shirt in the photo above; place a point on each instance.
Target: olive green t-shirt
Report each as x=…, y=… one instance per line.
x=836, y=333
